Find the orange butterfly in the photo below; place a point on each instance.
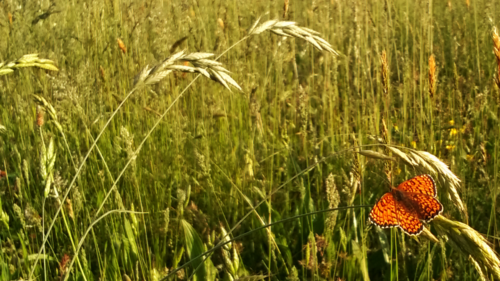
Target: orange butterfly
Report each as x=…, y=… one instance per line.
x=405, y=206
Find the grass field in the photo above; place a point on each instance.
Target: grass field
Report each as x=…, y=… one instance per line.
x=146, y=133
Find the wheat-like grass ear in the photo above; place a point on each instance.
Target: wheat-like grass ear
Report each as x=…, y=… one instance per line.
x=290, y=29
x=208, y=68
x=452, y=182
x=30, y=60
x=470, y=243
x=496, y=50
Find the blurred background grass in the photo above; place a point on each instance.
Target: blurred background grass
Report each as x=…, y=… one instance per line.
x=216, y=151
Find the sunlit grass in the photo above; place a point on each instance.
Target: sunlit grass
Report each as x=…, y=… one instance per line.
x=184, y=161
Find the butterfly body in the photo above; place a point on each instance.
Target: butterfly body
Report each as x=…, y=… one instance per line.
x=407, y=205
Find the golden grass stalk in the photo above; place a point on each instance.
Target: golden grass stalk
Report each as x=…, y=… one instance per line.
x=496, y=49
x=385, y=72
x=286, y=5
x=27, y=61
x=290, y=29
x=471, y=243
x=432, y=76
x=385, y=136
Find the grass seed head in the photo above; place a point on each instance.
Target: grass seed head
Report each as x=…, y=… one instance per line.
x=385, y=72
x=286, y=5
x=121, y=45
x=290, y=29
x=220, y=22
x=496, y=49
x=39, y=116
x=432, y=76
x=333, y=202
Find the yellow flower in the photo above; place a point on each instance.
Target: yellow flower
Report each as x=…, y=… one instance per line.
x=396, y=129
x=414, y=144
x=451, y=122
x=450, y=147
x=453, y=132
x=470, y=157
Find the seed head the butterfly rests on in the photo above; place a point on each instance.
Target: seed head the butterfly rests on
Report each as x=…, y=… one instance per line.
x=407, y=205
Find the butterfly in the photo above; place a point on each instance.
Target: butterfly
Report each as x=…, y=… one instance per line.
x=406, y=206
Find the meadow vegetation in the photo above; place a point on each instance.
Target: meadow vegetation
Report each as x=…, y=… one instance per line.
x=246, y=140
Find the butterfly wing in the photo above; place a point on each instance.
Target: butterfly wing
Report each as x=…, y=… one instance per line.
x=408, y=220
x=426, y=207
x=412, y=201
x=383, y=213
x=423, y=184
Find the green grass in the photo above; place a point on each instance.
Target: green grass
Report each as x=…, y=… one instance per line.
x=265, y=154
